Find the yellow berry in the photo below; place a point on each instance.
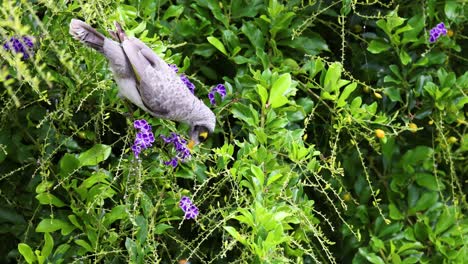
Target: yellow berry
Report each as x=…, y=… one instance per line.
x=413, y=127
x=431, y=122
x=347, y=197
x=377, y=95
x=452, y=140
x=379, y=133
x=450, y=33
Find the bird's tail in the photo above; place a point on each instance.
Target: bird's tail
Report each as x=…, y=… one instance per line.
x=86, y=34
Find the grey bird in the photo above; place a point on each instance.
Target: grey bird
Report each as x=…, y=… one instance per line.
x=147, y=80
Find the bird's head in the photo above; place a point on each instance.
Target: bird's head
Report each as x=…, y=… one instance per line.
x=198, y=134
x=202, y=124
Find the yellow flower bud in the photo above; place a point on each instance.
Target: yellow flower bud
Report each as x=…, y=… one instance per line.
x=452, y=140
x=413, y=127
x=347, y=197
x=379, y=133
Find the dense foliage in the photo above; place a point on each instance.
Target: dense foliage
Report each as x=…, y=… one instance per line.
x=340, y=139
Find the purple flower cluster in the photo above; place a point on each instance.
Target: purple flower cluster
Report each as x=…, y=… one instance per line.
x=20, y=45
x=220, y=89
x=180, y=145
x=437, y=31
x=190, y=210
x=174, y=67
x=188, y=83
x=144, y=138
x=184, y=78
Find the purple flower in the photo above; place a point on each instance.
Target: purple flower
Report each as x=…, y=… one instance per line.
x=220, y=89
x=187, y=83
x=184, y=78
x=20, y=45
x=173, y=162
x=185, y=203
x=180, y=146
x=141, y=124
x=192, y=212
x=436, y=32
x=174, y=67
x=144, y=138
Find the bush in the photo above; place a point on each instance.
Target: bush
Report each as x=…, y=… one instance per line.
x=341, y=137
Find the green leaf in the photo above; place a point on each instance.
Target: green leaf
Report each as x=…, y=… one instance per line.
x=173, y=11
x=84, y=245
x=278, y=91
x=49, y=199
x=245, y=8
x=345, y=94
x=404, y=57
x=258, y=173
x=117, y=213
x=217, y=44
x=378, y=46
x=26, y=252
x=96, y=177
x=44, y=186
x=427, y=180
x=140, y=28
x=332, y=77
x=48, y=245
x=160, y=228
x=74, y=220
x=427, y=200
x=254, y=34
x=451, y=9
x=68, y=163
x=279, y=216
x=233, y=232
x=446, y=220
x=7, y=214
x=395, y=214
x=142, y=231
x=312, y=45
x=51, y=225
x=356, y=103
x=204, y=49
x=393, y=93
x=95, y=155
x=273, y=178
x=263, y=93
x=131, y=247
x=243, y=113
x=371, y=257
x=232, y=41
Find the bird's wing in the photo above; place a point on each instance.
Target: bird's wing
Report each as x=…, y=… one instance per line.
x=150, y=80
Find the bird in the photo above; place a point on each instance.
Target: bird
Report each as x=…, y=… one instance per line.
x=147, y=80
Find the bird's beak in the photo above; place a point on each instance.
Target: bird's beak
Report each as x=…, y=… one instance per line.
x=191, y=144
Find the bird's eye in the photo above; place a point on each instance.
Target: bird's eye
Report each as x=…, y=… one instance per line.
x=202, y=136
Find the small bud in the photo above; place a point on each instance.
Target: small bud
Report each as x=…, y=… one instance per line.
x=413, y=127
x=347, y=197
x=449, y=32
x=379, y=133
